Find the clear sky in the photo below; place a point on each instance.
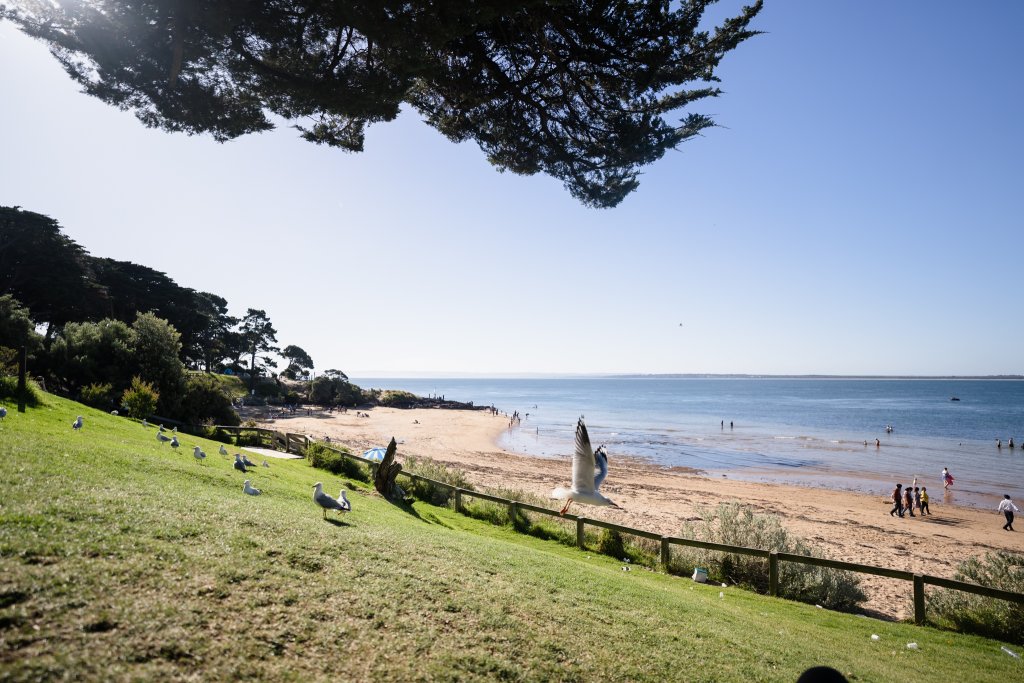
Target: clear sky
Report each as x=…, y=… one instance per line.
x=859, y=211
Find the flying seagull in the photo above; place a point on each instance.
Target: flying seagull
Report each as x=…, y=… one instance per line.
x=328, y=503
x=585, y=481
x=77, y=424
x=161, y=438
x=174, y=441
x=239, y=465
x=250, y=490
x=197, y=453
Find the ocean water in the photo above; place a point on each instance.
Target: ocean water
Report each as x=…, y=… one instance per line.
x=809, y=432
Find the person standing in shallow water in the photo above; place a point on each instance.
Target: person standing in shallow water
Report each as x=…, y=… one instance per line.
x=1007, y=507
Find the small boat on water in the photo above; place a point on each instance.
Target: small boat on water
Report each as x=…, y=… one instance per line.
x=953, y=398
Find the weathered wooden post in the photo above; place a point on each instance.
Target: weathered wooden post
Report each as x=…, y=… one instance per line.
x=513, y=512
x=384, y=480
x=666, y=553
x=580, y=538
x=918, y=599
x=458, y=500
x=773, y=574
x=22, y=372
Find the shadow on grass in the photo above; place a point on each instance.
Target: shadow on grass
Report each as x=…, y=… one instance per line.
x=336, y=522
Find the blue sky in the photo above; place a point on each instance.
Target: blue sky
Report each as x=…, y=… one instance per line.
x=858, y=211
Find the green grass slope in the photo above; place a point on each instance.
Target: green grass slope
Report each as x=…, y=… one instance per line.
x=120, y=559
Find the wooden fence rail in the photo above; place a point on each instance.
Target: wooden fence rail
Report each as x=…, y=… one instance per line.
x=918, y=580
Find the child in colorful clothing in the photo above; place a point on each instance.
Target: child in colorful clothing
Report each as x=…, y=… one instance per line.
x=924, y=501
x=917, y=499
x=908, y=500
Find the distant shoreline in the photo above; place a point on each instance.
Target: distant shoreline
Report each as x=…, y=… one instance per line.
x=553, y=376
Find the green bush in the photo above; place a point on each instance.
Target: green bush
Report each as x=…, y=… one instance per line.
x=207, y=399
x=736, y=524
x=431, y=469
x=98, y=395
x=989, y=617
x=324, y=457
x=9, y=390
x=397, y=399
x=140, y=399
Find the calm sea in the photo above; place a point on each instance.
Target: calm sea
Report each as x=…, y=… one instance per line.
x=810, y=432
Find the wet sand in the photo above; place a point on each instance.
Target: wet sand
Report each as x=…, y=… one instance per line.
x=848, y=526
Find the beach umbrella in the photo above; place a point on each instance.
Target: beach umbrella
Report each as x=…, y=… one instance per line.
x=375, y=454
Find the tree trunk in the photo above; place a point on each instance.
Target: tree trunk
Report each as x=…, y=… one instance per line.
x=387, y=470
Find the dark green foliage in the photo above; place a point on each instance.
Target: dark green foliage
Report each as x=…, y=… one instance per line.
x=324, y=457
x=450, y=477
x=98, y=396
x=16, y=327
x=328, y=390
x=156, y=347
x=609, y=543
x=989, y=617
x=207, y=399
x=9, y=391
x=140, y=399
x=738, y=525
x=90, y=353
x=397, y=399
x=587, y=92
x=299, y=362
x=257, y=336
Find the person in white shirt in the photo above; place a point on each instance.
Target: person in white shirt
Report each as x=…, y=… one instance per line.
x=1007, y=507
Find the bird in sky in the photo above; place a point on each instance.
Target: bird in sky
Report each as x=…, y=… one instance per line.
x=161, y=438
x=77, y=424
x=198, y=454
x=250, y=490
x=239, y=465
x=588, y=472
x=328, y=503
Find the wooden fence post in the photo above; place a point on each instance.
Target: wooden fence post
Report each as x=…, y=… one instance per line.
x=666, y=552
x=458, y=500
x=513, y=512
x=580, y=538
x=918, y=599
x=22, y=372
x=773, y=574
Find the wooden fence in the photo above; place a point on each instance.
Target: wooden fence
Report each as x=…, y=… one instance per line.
x=666, y=542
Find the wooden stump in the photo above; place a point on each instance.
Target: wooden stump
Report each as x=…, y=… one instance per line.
x=387, y=470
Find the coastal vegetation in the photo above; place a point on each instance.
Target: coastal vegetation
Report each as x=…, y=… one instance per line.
x=124, y=559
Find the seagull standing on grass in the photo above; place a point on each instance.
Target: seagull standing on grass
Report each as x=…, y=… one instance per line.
x=222, y=450
x=247, y=461
x=3, y=412
x=144, y=423
x=250, y=490
x=585, y=481
x=198, y=454
x=239, y=465
x=77, y=424
x=161, y=438
x=161, y=428
x=174, y=442
x=328, y=503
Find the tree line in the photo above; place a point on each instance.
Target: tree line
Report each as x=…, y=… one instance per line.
x=92, y=325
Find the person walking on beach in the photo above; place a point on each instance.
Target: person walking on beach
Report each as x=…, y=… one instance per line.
x=1007, y=507
x=924, y=501
x=908, y=500
x=897, y=501
x=947, y=478
x=917, y=500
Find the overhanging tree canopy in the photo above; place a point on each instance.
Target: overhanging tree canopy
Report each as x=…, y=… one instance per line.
x=579, y=90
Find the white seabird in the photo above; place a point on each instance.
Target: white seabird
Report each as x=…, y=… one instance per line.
x=222, y=450
x=161, y=438
x=174, y=442
x=77, y=424
x=144, y=423
x=266, y=464
x=161, y=427
x=250, y=490
x=585, y=481
x=247, y=461
x=3, y=412
x=239, y=465
x=198, y=454
x=328, y=503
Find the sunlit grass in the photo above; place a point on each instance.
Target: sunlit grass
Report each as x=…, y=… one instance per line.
x=122, y=559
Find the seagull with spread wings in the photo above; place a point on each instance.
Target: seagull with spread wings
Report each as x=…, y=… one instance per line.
x=589, y=470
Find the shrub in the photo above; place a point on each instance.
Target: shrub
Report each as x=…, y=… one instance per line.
x=140, y=398
x=989, y=617
x=736, y=524
x=431, y=469
x=397, y=399
x=9, y=390
x=98, y=395
x=324, y=457
x=207, y=399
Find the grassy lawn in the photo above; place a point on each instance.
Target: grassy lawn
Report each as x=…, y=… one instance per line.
x=122, y=559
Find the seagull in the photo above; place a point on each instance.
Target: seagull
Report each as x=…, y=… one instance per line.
x=174, y=441
x=77, y=424
x=585, y=482
x=144, y=423
x=247, y=461
x=114, y=413
x=175, y=429
x=161, y=438
x=239, y=465
x=328, y=503
x=222, y=450
x=161, y=428
x=250, y=490
x=266, y=464
x=197, y=453
x=3, y=412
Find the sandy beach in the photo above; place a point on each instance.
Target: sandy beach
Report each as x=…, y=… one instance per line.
x=846, y=526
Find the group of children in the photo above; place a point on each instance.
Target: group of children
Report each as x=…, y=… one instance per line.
x=906, y=500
